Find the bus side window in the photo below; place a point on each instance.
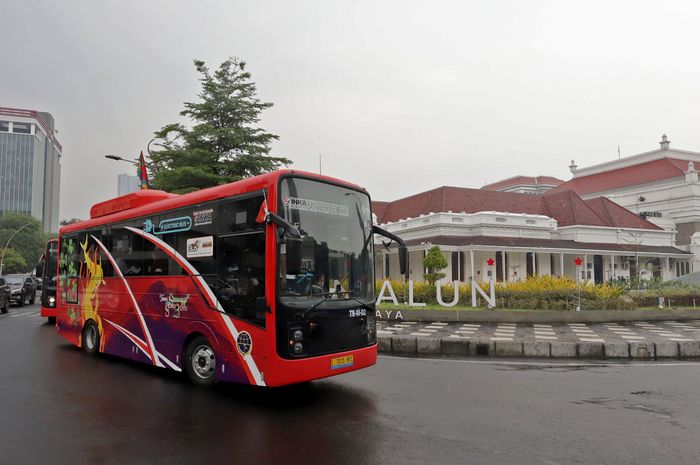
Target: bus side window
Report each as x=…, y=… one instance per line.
x=241, y=282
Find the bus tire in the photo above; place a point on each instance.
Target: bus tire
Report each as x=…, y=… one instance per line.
x=200, y=362
x=52, y=320
x=91, y=338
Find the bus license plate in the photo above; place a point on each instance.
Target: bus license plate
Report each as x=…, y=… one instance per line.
x=341, y=362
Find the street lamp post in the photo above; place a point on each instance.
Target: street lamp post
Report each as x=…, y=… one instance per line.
x=2, y=258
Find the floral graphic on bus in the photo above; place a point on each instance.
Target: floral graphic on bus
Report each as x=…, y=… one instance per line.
x=68, y=278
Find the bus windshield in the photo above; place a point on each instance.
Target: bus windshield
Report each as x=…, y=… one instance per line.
x=335, y=247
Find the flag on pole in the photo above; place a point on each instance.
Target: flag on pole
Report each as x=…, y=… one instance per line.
x=142, y=173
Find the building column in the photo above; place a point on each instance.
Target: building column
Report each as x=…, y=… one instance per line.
x=612, y=267
x=504, y=270
x=534, y=264
x=561, y=265
x=585, y=267
x=384, y=256
x=459, y=266
x=471, y=260
x=666, y=270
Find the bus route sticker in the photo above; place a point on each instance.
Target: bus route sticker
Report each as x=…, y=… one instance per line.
x=317, y=206
x=200, y=247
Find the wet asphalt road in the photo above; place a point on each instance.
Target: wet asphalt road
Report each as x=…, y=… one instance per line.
x=60, y=406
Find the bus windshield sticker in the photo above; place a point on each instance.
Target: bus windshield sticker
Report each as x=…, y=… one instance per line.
x=200, y=247
x=202, y=217
x=317, y=206
x=173, y=225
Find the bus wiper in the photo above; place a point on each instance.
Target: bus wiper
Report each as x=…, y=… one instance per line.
x=327, y=297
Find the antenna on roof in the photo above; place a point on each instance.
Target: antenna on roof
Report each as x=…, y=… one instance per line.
x=618, y=152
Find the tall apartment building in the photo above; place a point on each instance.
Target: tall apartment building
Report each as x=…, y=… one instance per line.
x=30, y=165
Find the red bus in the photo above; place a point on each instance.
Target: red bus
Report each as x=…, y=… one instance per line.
x=267, y=281
x=47, y=269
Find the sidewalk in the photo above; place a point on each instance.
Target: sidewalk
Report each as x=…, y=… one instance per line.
x=636, y=340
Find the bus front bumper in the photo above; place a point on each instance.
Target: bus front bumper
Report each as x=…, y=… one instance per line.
x=283, y=371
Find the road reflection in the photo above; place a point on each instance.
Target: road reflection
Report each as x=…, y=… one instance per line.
x=135, y=411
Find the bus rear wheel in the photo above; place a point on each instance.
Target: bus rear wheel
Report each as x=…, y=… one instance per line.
x=91, y=338
x=200, y=362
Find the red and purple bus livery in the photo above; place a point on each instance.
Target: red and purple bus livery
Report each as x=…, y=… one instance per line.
x=267, y=281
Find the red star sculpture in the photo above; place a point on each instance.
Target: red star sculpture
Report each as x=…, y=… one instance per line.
x=490, y=262
x=578, y=261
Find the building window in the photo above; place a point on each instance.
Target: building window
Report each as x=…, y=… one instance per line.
x=22, y=128
x=4, y=126
x=500, y=220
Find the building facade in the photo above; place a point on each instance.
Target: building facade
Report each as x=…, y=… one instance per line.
x=30, y=165
x=661, y=185
x=526, y=235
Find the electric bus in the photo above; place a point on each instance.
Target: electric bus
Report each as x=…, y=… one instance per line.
x=47, y=269
x=266, y=281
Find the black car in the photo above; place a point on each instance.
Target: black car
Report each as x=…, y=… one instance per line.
x=4, y=295
x=22, y=288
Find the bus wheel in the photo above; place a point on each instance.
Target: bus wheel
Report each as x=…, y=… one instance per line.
x=200, y=362
x=52, y=319
x=91, y=338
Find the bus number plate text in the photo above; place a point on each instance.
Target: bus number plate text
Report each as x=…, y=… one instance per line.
x=341, y=362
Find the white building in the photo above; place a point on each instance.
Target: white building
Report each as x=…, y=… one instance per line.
x=526, y=234
x=661, y=186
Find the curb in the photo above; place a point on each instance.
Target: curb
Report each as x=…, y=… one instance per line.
x=408, y=345
x=534, y=316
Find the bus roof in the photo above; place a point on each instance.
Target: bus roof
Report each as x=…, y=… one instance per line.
x=148, y=202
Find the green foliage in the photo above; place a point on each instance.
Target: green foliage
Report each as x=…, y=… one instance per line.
x=13, y=262
x=67, y=221
x=224, y=144
x=434, y=262
x=29, y=243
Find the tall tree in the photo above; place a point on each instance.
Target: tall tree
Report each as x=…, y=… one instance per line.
x=434, y=262
x=225, y=143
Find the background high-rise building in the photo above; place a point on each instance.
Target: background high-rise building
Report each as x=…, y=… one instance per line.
x=30, y=165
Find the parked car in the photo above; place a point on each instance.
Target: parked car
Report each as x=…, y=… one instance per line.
x=4, y=295
x=22, y=288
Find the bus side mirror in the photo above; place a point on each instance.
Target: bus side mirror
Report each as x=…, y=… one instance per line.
x=403, y=258
x=293, y=252
x=39, y=270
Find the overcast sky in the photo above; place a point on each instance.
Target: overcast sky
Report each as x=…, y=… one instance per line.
x=397, y=96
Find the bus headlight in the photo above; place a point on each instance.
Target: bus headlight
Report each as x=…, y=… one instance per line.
x=298, y=335
x=298, y=348
x=52, y=301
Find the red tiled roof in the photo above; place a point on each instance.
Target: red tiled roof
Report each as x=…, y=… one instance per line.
x=379, y=207
x=642, y=173
x=565, y=207
x=523, y=180
x=616, y=215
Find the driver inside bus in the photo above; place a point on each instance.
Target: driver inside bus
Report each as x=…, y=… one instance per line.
x=319, y=283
